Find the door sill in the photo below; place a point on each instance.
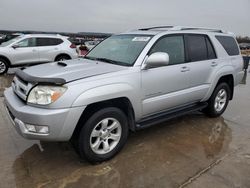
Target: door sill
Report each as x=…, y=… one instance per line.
x=167, y=115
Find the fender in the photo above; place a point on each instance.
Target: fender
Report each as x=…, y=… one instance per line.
x=5, y=57
x=214, y=78
x=108, y=92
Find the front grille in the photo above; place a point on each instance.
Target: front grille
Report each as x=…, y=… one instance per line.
x=21, y=87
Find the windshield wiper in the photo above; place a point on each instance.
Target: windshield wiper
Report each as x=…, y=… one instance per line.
x=107, y=60
x=113, y=61
x=91, y=58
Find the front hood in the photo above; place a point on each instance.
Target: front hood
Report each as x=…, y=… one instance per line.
x=72, y=70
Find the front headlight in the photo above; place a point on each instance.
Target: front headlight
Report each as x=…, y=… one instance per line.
x=44, y=95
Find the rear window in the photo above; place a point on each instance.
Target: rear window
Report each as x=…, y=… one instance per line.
x=48, y=41
x=229, y=44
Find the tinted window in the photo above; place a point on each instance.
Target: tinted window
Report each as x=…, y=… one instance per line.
x=55, y=41
x=210, y=50
x=229, y=45
x=29, y=42
x=48, y=41
x=174, y=46
x=197, y=47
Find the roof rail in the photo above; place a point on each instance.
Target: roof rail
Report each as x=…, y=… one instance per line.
x=197, y=28
x=156, y=27
x=181, y=28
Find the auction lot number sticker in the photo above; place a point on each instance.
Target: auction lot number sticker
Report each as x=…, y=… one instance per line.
x=141, y=39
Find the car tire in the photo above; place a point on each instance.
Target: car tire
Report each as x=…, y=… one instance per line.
x=62, y=58
x=4, y=66
x=103, y=135
x=218, y=102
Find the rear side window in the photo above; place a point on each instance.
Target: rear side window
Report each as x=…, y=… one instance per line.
x=229, y=44
x=174, y=46
x=48, y=41
x=197, y=48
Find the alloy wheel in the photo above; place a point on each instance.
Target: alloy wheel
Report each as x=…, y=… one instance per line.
x=2, y=67
x=105, y=136
x=220, y=100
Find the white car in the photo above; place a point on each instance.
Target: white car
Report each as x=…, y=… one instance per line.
x=34, y=49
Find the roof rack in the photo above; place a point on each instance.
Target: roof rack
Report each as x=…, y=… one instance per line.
x=156, y=27
x=182, y=28
x=198, y=28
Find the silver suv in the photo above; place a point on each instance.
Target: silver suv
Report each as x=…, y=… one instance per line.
x=128, y=82
x=35, y=48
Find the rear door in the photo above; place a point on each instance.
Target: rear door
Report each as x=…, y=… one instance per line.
x=202, y=62
x=48, y=48
x=25, y=52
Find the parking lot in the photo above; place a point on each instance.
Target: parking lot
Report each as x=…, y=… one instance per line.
x=191, y=151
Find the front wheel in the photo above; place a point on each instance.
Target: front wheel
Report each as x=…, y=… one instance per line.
x=218, y=102
x=3, y=66
x=103, y=135
x=62, y=58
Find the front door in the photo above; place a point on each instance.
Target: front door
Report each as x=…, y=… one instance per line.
x=165, y=87
x=25, y=52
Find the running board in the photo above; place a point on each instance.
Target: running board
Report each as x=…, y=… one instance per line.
x=164, y=116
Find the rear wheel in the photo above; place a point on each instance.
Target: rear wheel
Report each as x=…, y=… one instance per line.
x=62, y=57
x=3, y=66
x=103, y=135
x=218, y=102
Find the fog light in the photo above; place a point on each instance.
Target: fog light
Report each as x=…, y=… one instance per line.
x=42, y=129
x=31, y=128
x=37, y=129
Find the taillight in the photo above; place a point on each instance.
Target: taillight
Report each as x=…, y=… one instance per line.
x=72, y=46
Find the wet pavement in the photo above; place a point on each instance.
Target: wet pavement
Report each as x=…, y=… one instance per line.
x=191, y=151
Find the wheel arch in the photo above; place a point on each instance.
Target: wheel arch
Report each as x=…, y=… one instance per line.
x=123, y=103
x=229, y=79
x=62, y=54
x=6, y=59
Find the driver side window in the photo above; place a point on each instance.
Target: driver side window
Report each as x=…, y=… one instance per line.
x=174, y=46
x=29, y=42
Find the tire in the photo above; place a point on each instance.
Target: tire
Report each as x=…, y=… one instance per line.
x=95, y=142
x=4, y=66
x=62, y=58
x=216, y=106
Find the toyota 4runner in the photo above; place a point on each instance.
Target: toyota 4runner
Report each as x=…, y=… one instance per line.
x=128, y=82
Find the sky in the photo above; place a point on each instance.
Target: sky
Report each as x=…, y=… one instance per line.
x=116, y=16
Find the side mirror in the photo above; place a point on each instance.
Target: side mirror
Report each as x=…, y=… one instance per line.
x=15, y=46
x=157, y=59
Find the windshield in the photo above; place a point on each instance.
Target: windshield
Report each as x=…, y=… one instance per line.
x=120, y=49
x=4, y=44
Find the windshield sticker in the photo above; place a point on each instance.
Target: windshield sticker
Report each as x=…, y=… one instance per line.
x=141, y=39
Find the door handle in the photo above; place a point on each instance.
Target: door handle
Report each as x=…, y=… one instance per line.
x=214, y=64
x=34, y=50
x=185, y=69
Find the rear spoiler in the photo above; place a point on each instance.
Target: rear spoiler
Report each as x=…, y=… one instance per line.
x=38, y=80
